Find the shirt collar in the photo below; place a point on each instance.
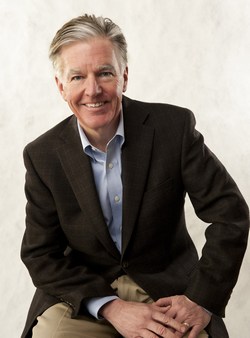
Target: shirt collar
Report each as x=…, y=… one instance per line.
x=119, y=132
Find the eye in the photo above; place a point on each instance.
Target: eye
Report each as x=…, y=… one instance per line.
x=106, y=74
x=77, y=78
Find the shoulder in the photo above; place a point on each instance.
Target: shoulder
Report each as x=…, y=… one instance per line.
x=51, y=139
x=158, y=114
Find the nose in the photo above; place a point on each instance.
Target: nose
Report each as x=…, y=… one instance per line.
x=92, y=87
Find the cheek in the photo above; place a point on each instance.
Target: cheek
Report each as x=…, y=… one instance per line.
x=72, y=96
x=119, y=90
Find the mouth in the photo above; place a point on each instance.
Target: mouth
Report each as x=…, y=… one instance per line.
x=94, y=105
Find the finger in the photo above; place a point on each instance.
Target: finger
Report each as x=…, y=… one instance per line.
x=164, y=319
x=186, y=325
x=163, y=309
x=160, y=330
x=148, y=334
x=164, y=301
x=195, y=331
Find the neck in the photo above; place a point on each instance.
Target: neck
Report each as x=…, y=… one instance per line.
x=100, y=138
x=99, y=141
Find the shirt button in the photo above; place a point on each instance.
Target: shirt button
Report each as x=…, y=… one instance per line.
x=111, y=165
x=117, y=199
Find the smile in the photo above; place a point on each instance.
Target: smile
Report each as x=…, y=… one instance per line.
x=94, y=105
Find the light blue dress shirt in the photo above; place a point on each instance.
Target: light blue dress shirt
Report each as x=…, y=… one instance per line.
x=106, y=168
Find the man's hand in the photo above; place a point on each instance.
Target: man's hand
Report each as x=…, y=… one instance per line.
x=134, y=320
x=185, y=311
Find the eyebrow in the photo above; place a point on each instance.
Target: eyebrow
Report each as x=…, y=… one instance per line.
x=106, y=67
x=73, y=72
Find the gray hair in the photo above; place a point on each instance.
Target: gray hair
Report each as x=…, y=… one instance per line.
x=83, y=28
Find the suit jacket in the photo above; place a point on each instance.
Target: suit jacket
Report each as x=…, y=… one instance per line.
x=67, y=247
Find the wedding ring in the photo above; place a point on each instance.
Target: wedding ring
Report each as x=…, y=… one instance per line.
x=186, y=324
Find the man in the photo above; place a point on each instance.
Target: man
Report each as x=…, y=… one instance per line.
x=106, y=243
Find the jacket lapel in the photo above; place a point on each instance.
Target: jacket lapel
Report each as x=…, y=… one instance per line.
x=79, y=173
x=136, y=154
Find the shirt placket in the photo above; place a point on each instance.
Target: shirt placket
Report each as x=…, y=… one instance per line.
x=114, y=186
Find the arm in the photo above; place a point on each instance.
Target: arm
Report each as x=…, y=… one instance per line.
x=216, y=200
x=44, y=245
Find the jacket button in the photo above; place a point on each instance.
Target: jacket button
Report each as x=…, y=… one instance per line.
x=125, y=264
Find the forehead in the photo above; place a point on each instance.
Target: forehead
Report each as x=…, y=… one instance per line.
x=94, y=52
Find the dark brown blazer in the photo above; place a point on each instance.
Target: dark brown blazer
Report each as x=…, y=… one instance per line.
x=67, y=247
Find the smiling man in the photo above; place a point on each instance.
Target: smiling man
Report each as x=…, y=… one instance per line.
x=106, y=242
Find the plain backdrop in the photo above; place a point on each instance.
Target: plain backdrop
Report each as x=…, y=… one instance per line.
x=191, y=53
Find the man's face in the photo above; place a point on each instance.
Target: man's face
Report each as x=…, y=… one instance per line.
x=92, y=83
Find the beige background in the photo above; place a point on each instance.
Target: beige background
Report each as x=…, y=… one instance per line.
x=191, y=53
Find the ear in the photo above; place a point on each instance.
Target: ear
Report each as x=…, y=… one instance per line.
x=60, y=86
x=125, y=78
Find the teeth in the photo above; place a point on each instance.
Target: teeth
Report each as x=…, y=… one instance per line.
x=94, y=105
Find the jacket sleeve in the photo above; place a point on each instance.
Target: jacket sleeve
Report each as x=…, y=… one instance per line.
x=218, y=202
x=44, y=249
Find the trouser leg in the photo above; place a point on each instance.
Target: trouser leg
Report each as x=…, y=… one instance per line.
x=56, y=322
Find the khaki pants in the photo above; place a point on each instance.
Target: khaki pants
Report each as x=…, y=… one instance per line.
x=56, y=322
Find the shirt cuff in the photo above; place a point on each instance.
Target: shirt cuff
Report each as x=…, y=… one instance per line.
x=93, y=305
x=210, y=313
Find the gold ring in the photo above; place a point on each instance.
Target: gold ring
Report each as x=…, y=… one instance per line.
x=186, y=324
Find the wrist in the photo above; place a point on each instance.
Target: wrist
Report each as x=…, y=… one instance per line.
x=107, y=309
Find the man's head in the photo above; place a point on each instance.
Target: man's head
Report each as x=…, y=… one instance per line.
x=90, y=59
x=84, y=28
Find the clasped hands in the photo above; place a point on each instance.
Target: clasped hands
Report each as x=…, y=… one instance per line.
x=170, y=317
